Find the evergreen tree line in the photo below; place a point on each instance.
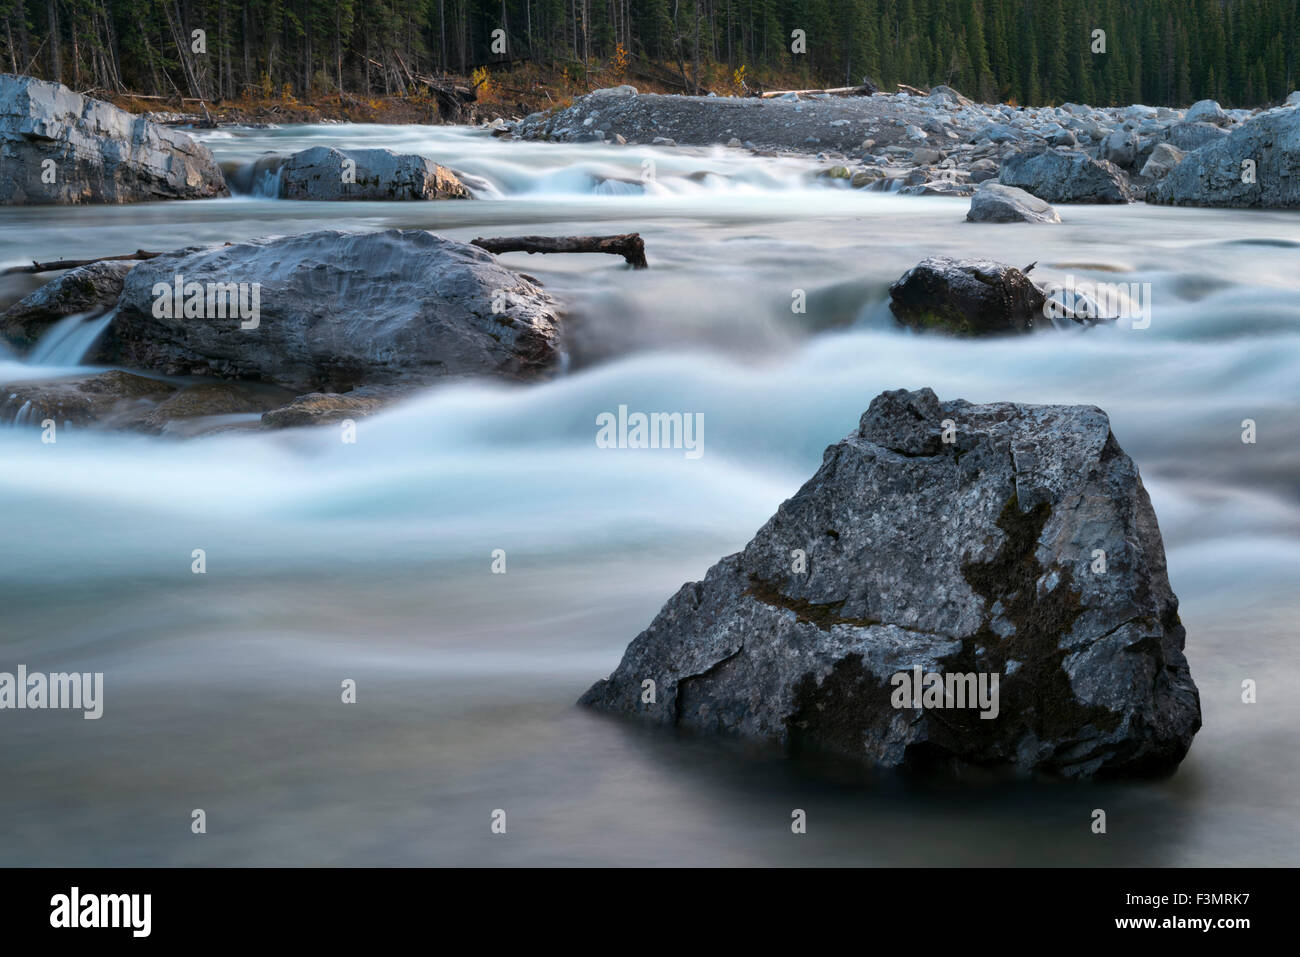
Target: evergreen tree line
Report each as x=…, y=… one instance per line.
x=1240, y=52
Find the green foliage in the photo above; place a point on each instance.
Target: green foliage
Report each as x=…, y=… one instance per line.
x=1241, y=52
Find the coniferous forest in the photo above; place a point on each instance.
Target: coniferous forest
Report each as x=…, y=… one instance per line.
x=1162, y=52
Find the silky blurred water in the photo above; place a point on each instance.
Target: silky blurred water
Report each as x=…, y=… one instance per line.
x=372, y=561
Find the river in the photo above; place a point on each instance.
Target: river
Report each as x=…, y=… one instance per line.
x=373, y=561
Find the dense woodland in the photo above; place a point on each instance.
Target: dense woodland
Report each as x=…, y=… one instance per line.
x=1241, y=52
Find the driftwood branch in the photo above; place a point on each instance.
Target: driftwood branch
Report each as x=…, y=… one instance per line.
x=74, y=263
x=863, y=89
x=629, y=245
x=911, y=90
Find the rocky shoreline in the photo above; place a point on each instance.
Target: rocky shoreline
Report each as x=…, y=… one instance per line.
x=943, y=143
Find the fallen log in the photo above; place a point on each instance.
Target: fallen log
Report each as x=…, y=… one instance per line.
x=629, y=245
x=862, y=89
x=74, y=263
x=911, y=90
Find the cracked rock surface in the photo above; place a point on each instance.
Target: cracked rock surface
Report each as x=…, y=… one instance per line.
x=959, y=538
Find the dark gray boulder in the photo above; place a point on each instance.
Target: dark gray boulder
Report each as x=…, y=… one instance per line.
x=90, y=289
x=1065, y=176
x=1257, y=164
x=59, y=147
x=975, y=556
x=967, y=297
x=335, y=310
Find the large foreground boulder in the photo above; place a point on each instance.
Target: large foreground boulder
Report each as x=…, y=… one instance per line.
x=1064, y=176
x=1257, y=164
x=329, y=310
x=57, y=146
x=90, y=289
x=948, y=539
x=996, y=203
x=967, y=297
x=324, y=173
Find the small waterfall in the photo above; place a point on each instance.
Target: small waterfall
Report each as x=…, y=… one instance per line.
x=24, y=415
x=268, y=183
x=261, y=177
x=69, y=341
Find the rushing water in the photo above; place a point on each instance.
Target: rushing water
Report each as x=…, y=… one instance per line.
x=372, y=561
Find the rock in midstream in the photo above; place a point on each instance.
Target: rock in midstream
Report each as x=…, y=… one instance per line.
x=949, y=539
x=338, y=310
x=996, y=203
x=967, y=297
x=323, y=173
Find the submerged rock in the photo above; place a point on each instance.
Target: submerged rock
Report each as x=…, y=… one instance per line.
x=1257, y=164
x=200, y=402
x=110, y=399
x=331, y=310
x=96, y=152
x=323, y=173
x=1061, y=176
x=91, y=289
x=939, y=538
x=967, y=297
x=325, y=408
x=995, y=203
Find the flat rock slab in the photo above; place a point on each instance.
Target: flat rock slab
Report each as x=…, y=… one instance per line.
x=956, y=539
x=336, y=310
x=92, y=151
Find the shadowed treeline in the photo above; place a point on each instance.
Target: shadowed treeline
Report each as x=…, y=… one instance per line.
x=1241, y=52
